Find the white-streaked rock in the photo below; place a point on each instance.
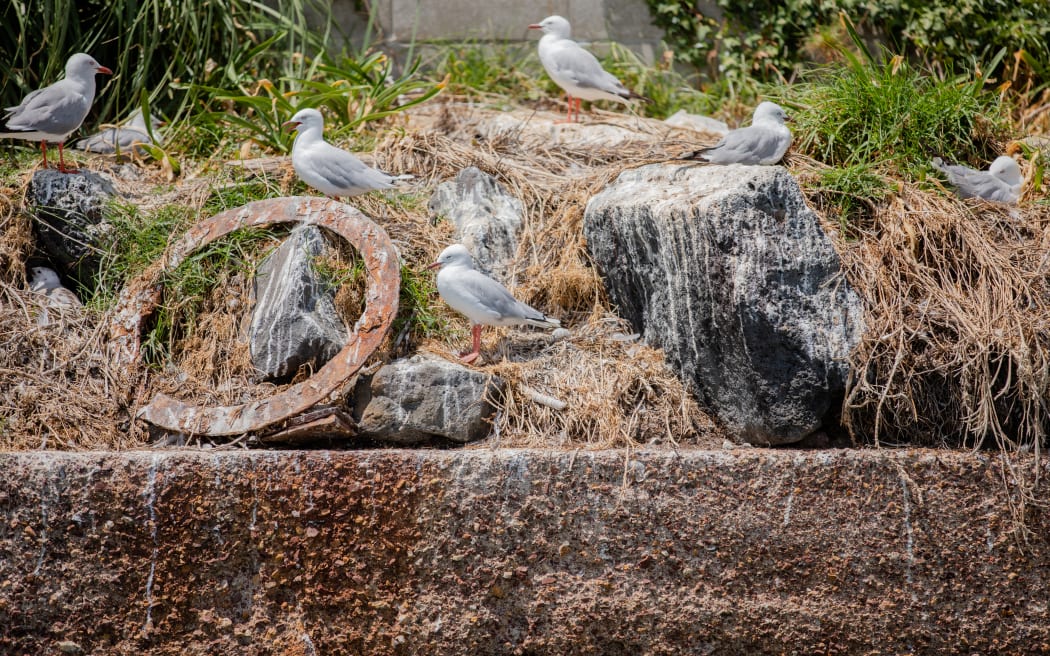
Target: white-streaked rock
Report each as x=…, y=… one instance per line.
x=727, y=270
x=294, y=321
x=416, y=399
x=486, y=216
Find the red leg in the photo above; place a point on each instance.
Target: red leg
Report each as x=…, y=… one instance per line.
x=43, y=149
x=470, y=356
x=579, y=101
x=568, y=115
x=62, y=162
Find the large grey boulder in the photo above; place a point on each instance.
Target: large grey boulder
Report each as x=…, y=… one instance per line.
x=416, y=399
x=294, y=321
x=727, y=270
x=486, y=216
x=68, y=211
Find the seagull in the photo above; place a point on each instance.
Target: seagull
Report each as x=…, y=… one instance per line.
x=576, y=70
x=763, y=142
x=51, y=114
x=126, y=137
x=45, y=281
x=1001, y=182
x=328, y=169
x=480, y=298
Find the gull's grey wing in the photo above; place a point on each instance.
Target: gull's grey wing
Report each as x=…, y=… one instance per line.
x=982, y=185
x=750, y=145
x=57, y=109
x=583, y=69
x=347, y=172
x=971, y=183
x=497, y=301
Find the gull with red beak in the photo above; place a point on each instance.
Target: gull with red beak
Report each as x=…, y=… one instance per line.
x=576, y=70
x=51, y=114
x=480, y=298
x=330, y=170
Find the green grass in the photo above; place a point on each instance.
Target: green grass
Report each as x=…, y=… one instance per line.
x=156, y=45
x=878, y=118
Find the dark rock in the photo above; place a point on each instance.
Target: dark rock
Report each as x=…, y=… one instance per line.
x=727, y=270
x=487, y=218
x=413, y=400
x=68, y=211
x=294, y=321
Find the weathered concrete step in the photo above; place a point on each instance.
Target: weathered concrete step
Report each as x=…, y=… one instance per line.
x=497, y=551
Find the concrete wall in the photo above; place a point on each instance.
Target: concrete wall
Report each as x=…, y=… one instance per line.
x=400, y=22
x=519, y=552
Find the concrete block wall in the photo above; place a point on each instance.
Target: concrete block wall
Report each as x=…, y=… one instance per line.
x=400, y=23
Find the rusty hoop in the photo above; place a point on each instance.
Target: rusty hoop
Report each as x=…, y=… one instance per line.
x=140, y=297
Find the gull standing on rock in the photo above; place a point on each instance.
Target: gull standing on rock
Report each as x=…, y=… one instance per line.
x=576, y=70
x=480, y=298
x=1001, y=182
x=328, y=169
x=51, y=114
x=763, y=142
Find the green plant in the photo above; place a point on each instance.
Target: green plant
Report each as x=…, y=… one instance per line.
x=492, y=70
x=165, y=47
x=354, y=91
x=887, y=113
x=768, y=38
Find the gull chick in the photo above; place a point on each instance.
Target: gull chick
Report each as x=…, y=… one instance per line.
x=43, y=280
x=1001, y=182
x=51, y=114
x=330, y=170
x=480, y=298
x=574, y=69
x=763, y=142
x=124, y=138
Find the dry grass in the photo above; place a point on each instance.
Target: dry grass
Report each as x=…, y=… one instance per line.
x=957, y=297
x=957, y=349
x=618, y=392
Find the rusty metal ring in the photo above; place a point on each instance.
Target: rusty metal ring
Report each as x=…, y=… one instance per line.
x=140, y=298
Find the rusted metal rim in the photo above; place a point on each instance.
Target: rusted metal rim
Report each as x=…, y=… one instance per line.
x=141, y=296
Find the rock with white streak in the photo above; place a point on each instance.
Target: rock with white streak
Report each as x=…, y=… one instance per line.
x=696, y=123
x=68, y=211
x=294, y=321
x=728, y=271
x=416, y=399
x=486, y=216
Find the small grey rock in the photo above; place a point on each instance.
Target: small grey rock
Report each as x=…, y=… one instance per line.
x=294, y=321
x=486, y=216
x=413, y=400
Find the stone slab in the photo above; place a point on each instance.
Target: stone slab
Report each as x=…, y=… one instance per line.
x=490, y=551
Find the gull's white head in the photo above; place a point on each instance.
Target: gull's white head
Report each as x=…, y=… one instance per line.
x=769, y=111
x=84, y=66
x=1007, y=170
x=305, y=119
x=42, y=279
x=456, y=255
x=555, y=25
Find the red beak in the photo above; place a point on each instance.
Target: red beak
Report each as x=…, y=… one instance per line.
x=290, y=125
x=535, y=27
x=104, y=70
x=434, y=265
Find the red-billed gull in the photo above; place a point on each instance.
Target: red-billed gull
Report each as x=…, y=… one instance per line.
x=330, y=170
x=1001, y=182
x=51, y=114
x=480, y=298
x=763, y=142
x=576, y=70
